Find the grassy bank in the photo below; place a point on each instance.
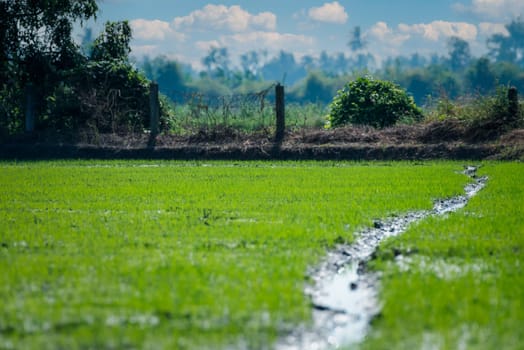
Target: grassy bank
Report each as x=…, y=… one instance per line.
x=179, y=254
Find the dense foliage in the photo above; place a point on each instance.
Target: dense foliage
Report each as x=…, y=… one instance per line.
x=372, y=102
x=36, y=46
x=69, y=89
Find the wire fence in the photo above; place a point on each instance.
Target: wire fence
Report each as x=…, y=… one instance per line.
x=106, y=109
x=248, y=112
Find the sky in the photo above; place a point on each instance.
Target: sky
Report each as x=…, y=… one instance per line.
x=186, y=30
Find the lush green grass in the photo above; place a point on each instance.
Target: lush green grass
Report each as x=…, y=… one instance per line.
x=461, y=284
x=179, y=254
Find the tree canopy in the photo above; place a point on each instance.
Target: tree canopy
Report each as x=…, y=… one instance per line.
x=510, y=47
x=35, y=35
x=70, y=87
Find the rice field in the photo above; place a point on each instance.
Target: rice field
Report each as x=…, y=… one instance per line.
x=206, y=255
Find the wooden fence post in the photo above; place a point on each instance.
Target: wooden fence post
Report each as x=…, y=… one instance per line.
x=30, y=108
x=280, y=108
x=513, y=105
x=154, y=108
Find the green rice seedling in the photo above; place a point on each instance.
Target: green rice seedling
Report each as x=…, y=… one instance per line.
x=140, y=254
x=455, y=282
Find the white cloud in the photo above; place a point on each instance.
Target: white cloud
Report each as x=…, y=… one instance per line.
x=384, y=34
x=329, y=12
x=385, y=41
x=265, y=20
x=219, y=17
x=205, y=46
x=489, y=29
x=380, y=30
x=494, y=9
x=273, y=42
x=423, y=38
x=438, y=30
x=153, y=30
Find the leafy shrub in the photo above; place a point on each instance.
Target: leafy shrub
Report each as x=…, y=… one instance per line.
x=112, y=96
x=477, y=110
x=497, y=108
x=168, y=120
x=372, y=102
x=483, y=117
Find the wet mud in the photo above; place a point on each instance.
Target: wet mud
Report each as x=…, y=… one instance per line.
x=344, y=295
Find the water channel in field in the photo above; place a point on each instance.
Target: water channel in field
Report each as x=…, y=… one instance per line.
x=344, y=294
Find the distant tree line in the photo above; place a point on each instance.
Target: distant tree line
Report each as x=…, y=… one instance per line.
x=317, y=79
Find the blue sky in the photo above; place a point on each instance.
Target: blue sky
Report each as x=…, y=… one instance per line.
x=185, y=30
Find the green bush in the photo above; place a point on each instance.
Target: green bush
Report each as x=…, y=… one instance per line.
x=377, y=103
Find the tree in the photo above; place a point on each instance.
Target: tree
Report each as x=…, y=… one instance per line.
x=36, y=46
x=459, y=53
x=480, y=76
x=509, y=48
x=419, y=84
x=34, y=33
x=356, y=42
x=113, y=42
x=251, y=63
x=445, y=83
x=341, y=63
x=284, y=67
x=363, y=61
x=217, y=62
x=417, y=61
x=102, y=92
x=168, y=74
x=308, y=62
x=324, y=61
x=510, y=74
x=315, y=88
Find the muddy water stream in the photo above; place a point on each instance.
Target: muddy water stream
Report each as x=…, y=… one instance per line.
x=344, y=295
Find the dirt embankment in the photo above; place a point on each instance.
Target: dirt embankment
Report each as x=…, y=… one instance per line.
x=437, y=140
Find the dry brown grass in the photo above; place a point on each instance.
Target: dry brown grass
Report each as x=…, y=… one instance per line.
x=448, y=139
